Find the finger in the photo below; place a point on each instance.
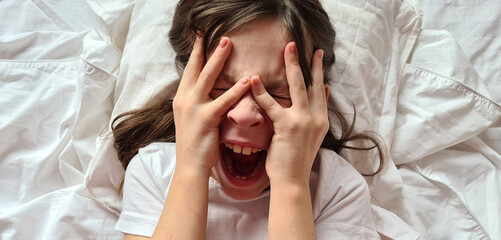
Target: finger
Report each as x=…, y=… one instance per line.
x=316, y=93
x=213, y=67
x=194, y=65
x=264, y=99
x=295, y=78
x=230, y=97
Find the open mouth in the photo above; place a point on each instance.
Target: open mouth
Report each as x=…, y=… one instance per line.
x=243, y=162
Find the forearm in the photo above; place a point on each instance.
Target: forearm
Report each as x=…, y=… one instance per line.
x=184, y=215
x=290, y=214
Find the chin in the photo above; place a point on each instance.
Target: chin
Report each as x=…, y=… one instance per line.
x=241, y=176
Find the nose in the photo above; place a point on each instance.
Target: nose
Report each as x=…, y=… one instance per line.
x=246, y=112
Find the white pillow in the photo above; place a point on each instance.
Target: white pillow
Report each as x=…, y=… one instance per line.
x=374, y=40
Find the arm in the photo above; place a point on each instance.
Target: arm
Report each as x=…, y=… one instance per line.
x=299, y=131
x=184, y=214
x=290, y=214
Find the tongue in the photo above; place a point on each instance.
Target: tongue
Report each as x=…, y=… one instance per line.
x=244, y=164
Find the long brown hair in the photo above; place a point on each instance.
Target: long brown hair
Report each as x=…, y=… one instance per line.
x=304, y=20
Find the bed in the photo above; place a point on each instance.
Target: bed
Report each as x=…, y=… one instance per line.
x=423, y=74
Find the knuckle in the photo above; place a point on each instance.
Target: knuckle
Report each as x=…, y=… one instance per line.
x=300, y=85
x=263, y=101
x=302, y=122
x=261, y=98
x=295, y=124
x=318, y=76
x=176, y=105
x=268, y=103
x=323, y=125
x=194, y=56
x=203, y=75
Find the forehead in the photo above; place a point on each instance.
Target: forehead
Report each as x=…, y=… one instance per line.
x=258, y=49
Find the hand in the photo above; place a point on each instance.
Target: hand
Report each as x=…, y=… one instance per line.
x=196, y=115
x=300, y=129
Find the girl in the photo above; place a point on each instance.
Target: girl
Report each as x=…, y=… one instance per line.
x=248, y=119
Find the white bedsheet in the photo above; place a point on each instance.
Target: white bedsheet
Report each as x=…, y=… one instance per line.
x=56, y=92
x=451, y=181
x=52, y=111
x=453, y=191
x=476, y=25
x=59, y=66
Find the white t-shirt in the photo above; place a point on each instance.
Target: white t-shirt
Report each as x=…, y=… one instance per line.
x=340, y=199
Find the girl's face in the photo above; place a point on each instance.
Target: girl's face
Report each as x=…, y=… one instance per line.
x=246, y=131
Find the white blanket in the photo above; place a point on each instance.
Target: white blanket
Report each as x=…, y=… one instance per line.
x=433, y=94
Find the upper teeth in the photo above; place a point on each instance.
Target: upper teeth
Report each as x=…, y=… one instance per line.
x=243, y=150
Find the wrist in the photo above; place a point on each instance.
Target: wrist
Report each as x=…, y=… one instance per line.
x=293, y=186
x=290, y=181
x=192, y=172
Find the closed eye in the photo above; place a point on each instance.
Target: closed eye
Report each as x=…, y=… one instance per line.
x=273, y=95
x=216, y=92
x=280, y=97
x=284, y=101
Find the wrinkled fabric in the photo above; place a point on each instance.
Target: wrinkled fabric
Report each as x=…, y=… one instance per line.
x=67, y=68
x=450, y=114
x=56, y=88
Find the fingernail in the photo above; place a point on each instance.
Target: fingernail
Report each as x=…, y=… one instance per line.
x=223, y=42
x=293, y=48
x=245, y=81
x=255, y=80
x=321, y=54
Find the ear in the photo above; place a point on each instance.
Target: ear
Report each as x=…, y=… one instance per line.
x=326, y=88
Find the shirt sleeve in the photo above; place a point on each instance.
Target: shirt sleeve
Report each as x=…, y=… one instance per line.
x=342, y=206
x=146, y=182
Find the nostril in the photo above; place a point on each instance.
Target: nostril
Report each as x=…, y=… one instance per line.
x=232, y=120
x=256, y=124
